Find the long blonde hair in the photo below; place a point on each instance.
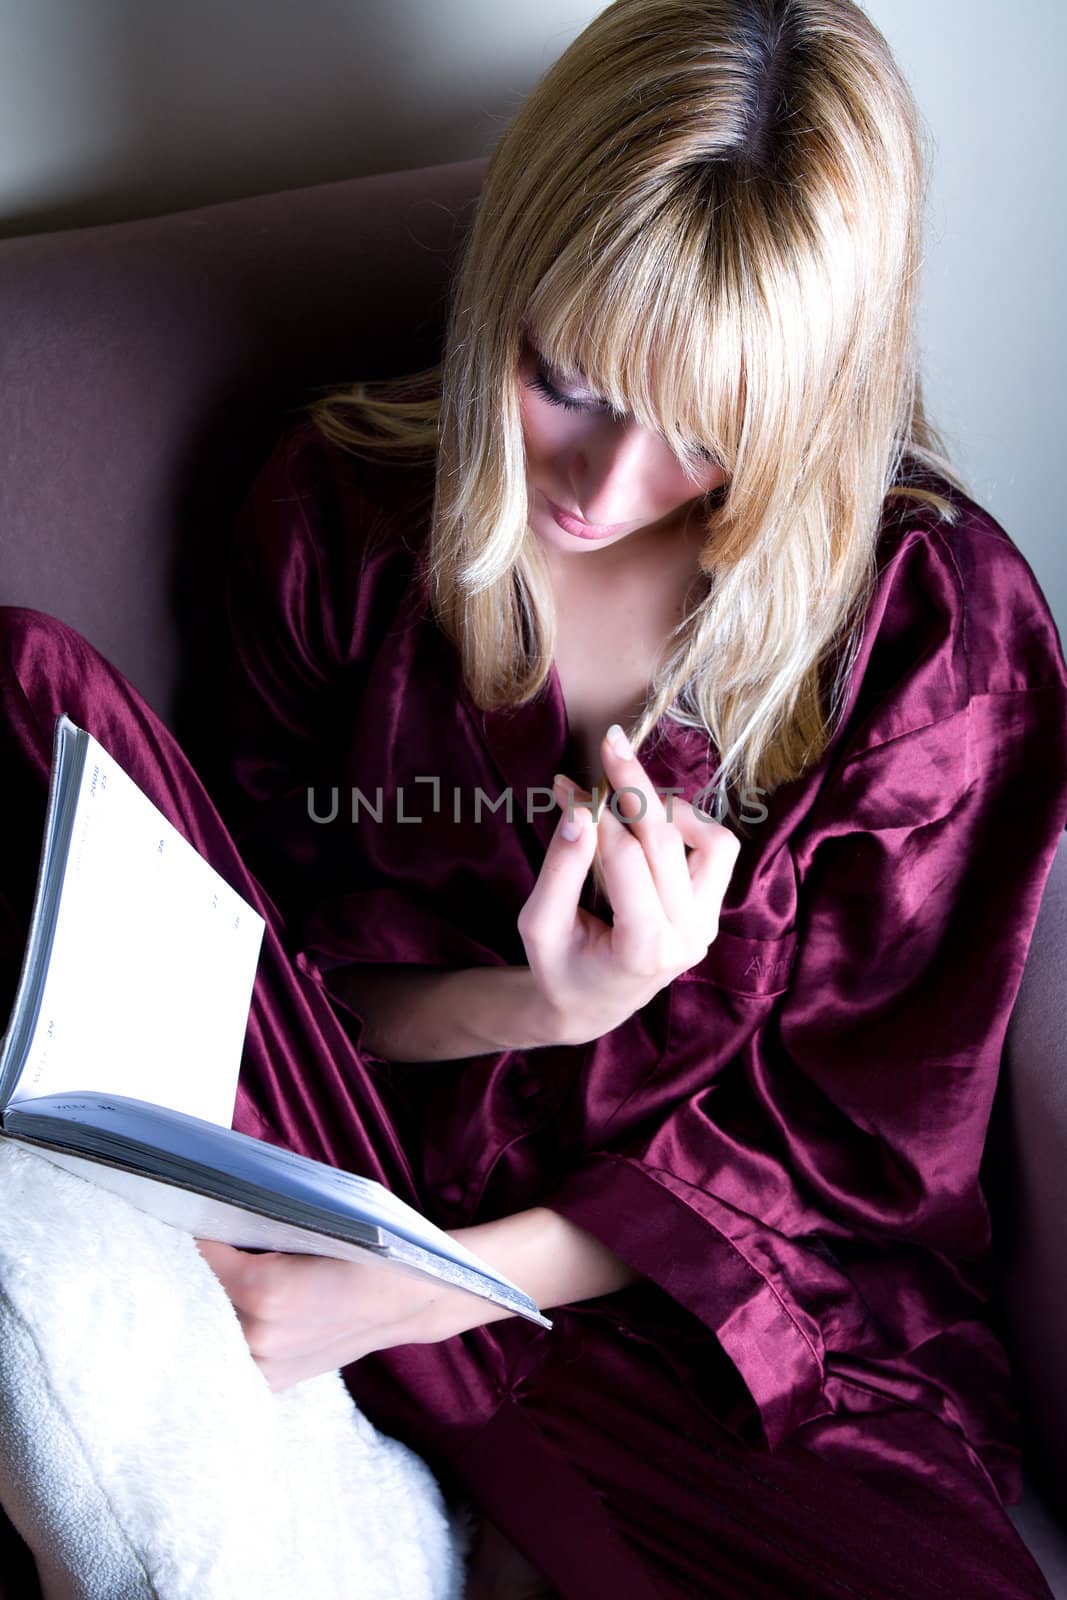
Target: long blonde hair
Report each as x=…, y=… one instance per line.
x=711, y=210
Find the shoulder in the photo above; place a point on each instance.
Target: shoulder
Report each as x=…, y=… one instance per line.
x=325, y=534
x=339, y=496
x=956, y=613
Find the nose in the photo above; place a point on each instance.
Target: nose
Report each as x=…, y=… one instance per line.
x=607, y=468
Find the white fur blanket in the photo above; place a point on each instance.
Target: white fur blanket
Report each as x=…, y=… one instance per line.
x=142, y=1454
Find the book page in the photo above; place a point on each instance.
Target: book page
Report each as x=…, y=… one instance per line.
x=152, y=961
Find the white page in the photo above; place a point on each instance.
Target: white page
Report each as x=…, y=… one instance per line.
x=152, y=963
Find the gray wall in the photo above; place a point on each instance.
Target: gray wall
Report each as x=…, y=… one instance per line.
x=119, y=108
x=987, y=79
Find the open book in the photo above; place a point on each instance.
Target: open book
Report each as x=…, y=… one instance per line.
x=122, y=1055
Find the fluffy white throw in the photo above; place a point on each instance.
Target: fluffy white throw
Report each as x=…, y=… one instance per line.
x=142, y=1454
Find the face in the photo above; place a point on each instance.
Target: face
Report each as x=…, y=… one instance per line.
x=596, y=479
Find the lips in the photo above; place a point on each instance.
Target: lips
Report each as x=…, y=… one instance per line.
x=570, y=523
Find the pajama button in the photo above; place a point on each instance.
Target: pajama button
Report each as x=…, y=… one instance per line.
x=530, y=1087
x=452, y=1193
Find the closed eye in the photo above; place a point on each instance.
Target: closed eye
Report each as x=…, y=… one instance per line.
x=555, y=397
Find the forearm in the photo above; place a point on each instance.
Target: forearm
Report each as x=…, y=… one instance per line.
x=444, y=1015
x=303, y=1315
x=552, y=1259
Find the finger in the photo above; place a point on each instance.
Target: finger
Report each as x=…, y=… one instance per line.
x=571, y=799
x=573, y=802
x=642, y=933
x=255, y=1280
x=223, y=1259
x=569, y=786
x=229, y=1267
x=645, y=816
x=711, y=860
x=553, y=901
x=703, y=834
x=696, y=827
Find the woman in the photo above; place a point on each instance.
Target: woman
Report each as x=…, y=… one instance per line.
x=721, y=1104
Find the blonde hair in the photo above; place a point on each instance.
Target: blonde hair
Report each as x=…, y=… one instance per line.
x=711, y=210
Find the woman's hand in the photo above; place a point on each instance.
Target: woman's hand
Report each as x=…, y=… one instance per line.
x=303, y=1315
x=665, y=904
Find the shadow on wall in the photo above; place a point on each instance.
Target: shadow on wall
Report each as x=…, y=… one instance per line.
x=122, y=110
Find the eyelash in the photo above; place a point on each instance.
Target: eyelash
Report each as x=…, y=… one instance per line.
x=555, y=398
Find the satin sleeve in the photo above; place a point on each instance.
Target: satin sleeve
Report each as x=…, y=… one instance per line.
x=319, y=571
x=295, y=659
x=820, y=1195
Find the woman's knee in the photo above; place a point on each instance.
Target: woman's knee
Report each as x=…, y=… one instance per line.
x=48, y=667
x=37, y=647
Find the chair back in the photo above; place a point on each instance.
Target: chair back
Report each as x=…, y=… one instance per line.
x=147, y=365
x=1027, y=1160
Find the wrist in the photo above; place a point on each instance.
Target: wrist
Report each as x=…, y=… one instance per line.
x=516, y=1247
x=430, y=1014
x=455, y=1311
x=507, y=1010
x=542, y=1022
x=552, y=1259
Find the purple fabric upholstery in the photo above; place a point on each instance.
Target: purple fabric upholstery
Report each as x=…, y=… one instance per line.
x=1032, y=1122
x=146, y=366
x=1034, y=1128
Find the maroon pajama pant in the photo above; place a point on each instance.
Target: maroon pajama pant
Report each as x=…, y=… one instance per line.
x=609, y=1464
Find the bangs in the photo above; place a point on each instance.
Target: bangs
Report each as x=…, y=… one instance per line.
x=654, y=329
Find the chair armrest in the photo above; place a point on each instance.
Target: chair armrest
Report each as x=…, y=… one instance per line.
x=1035, y=1275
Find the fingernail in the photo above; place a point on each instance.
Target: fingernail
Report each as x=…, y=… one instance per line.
x=569, y=826
x=619, y=741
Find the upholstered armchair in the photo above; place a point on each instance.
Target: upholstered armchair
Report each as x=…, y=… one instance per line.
x=146, y=366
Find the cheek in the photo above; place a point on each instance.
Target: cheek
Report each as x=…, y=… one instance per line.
x=545, y=436
x=669, y=484
x=678, y=486
x=532, y=434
